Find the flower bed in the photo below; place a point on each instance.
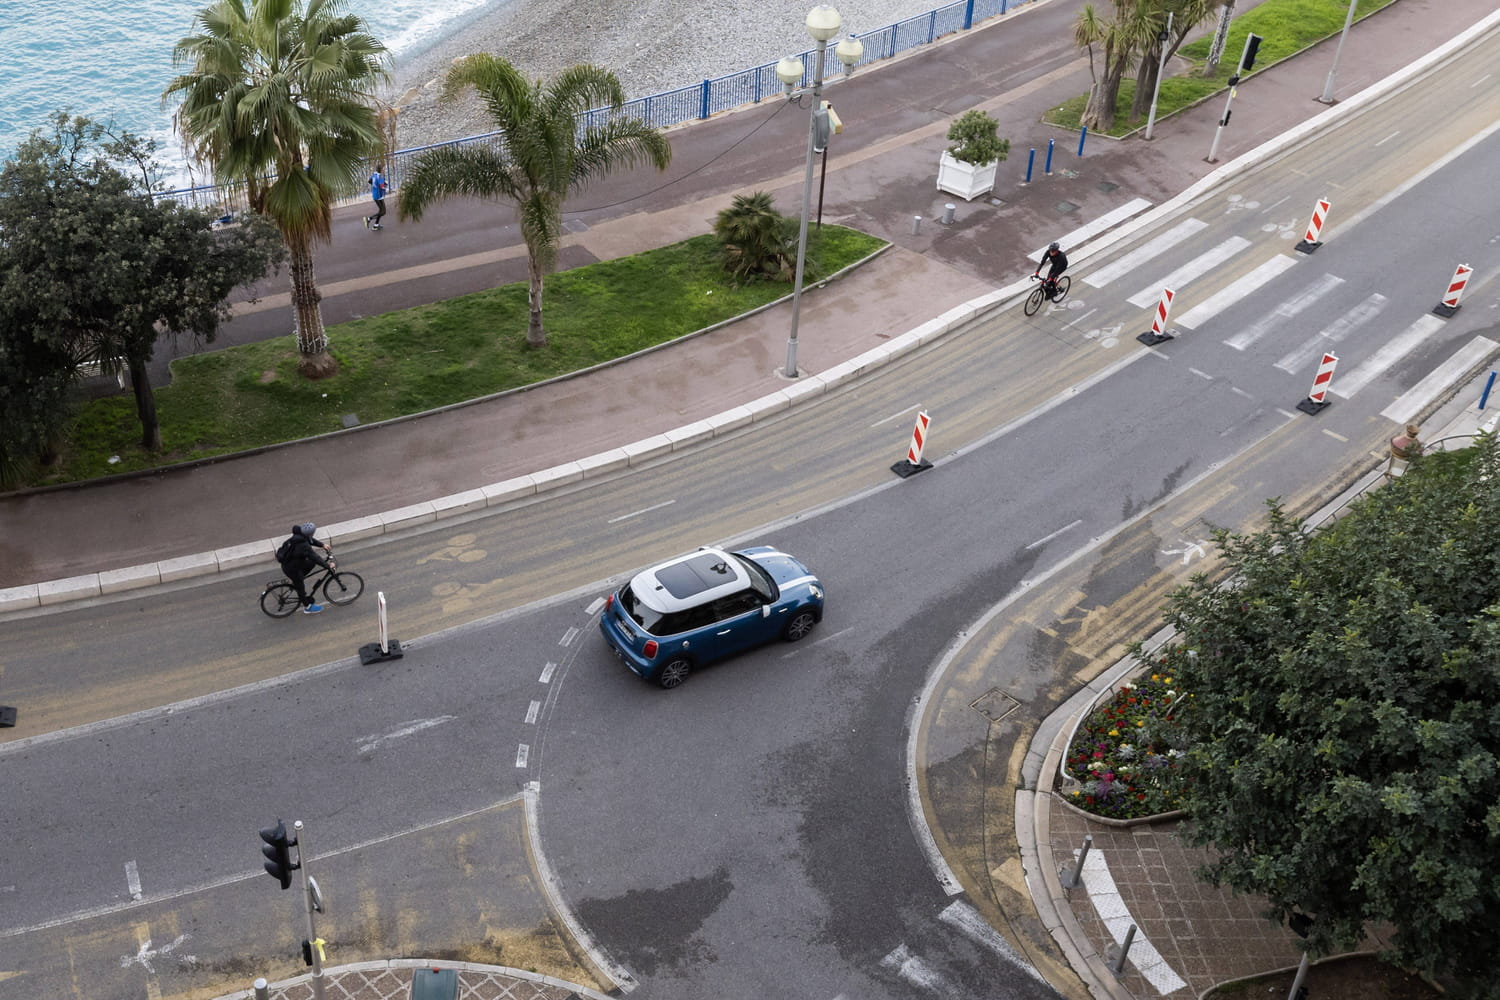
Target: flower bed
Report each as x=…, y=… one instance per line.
x=1124, y=756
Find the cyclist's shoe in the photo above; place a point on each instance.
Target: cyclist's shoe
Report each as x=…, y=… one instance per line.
x=312, y=609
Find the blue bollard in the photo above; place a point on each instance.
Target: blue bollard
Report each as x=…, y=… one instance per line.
x=1030, y=160
x=1484, y=397
x=1082, y=135
x=1048, y=168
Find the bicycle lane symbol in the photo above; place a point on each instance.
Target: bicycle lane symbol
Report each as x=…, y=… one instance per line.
x=459, y=596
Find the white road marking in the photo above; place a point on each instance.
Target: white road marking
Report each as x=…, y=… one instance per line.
x=638, y=513
x=1303, y=356
x=1415, y=399
x=522, y=753
x=133, y=880
x=1133, y=207
x=973, y=926
x=1240, y=392
x=547, y=672
x=1380, y=362
x=911, y=968
x=146, y=953
x=531, y=712
x=1202, y=375
x=1232, y=293
x=1388, y=138
x=1117, y=920
x=372, y=742
x=594, y=606
x=1335, y=436
x=568, y=637
x=1195, y=268
x=1480, y=80
x=1284, y=311
x=1145, y=252
x=897, y=416
x=1047, y=538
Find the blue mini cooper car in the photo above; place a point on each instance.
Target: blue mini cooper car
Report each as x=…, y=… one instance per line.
x=702, y=607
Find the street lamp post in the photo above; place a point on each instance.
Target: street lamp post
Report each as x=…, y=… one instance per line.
x=1327, y=97
x=823, y=22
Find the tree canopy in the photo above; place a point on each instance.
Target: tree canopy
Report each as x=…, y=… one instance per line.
x=1346, y=716
x=544, y=158
x=94, y=270
x=281, y=98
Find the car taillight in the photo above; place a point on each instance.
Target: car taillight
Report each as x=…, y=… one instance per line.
x=609, y=602
x=649, y=649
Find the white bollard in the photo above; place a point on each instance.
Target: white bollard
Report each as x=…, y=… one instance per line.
x=387, y=648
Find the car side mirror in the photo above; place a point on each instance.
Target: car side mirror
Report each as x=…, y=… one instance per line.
x=765, y=611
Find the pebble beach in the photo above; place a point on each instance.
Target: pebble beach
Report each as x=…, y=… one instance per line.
x=651, y=45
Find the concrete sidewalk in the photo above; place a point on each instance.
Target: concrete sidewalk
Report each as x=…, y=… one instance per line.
x=165, y=525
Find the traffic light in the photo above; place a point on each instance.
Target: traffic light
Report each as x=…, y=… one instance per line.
x=1252, y=46
x=278, y=852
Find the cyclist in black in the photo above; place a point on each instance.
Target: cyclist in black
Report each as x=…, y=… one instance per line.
x=298, y=558
x=1059, y=263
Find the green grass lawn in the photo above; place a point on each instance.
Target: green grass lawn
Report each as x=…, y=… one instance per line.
x=420, y=359
x=1286, y=27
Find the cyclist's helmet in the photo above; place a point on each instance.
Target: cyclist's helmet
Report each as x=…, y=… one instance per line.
x=307, y=530
x=1053, y=248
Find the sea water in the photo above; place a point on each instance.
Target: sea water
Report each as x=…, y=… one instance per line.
x=110, y=60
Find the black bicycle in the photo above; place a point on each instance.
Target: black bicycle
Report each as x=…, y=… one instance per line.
x=338, y=586
x=1039, y=293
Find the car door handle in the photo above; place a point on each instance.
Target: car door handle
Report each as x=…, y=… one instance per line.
x=726, y=631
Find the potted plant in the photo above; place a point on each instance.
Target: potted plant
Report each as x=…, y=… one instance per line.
x=967, y=167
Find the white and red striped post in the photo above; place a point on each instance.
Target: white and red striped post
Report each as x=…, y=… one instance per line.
x=1158, y=331
x=1449, y=305
x=913, y=462
x=387, y=648
x=1310, y=242
x=1317, y=397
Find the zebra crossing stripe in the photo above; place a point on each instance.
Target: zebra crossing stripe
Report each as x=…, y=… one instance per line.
x=1284, y=311
x=1416, y=399
x=1106, y=221
x=1195, y=268
x=1145, y=252
x=1232, y=293
x=1299, y=359
x=1394, y=350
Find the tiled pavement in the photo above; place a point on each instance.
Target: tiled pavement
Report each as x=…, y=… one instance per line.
x=393, y=981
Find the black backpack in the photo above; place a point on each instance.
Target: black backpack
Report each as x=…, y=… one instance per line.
x=284, y=550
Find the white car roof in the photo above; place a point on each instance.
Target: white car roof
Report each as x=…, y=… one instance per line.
x=689, y=581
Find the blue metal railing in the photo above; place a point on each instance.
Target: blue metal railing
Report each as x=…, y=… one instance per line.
x=695, y=101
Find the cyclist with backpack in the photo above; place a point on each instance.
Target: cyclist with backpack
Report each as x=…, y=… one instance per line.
x=1059, y=263
x=298, y=557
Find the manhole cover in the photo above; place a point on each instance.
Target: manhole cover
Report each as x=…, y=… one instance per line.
x=997, y=202
x=1066, y=206
x=576, y=226
x=1070, y=174
x=349, y=420
x=995, y=704
x=1108, y=186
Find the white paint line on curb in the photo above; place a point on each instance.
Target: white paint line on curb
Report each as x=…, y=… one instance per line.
x=1117, y=920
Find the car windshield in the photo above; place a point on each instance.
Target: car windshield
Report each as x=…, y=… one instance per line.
x=759, y=578
x=646, y=617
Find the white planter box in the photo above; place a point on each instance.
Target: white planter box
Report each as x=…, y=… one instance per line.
x=964, y=179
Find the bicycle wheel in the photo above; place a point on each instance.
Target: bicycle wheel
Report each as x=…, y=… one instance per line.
x=343, y=587
x=1034, y=300
x=1063, y=284
x=279, y=599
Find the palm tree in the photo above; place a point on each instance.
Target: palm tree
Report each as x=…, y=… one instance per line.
x=757, y=241
x=544, y=155
x=282, y=100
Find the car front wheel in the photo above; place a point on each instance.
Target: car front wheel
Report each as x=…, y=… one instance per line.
x=674, y=672
x=801, y=624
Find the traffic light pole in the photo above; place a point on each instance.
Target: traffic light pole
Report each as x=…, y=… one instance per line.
x=1247, y=59
x=307, y=903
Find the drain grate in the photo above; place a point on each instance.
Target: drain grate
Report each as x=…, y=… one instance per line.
x=1066, y=207
x=995, y=704
x=1108, y=187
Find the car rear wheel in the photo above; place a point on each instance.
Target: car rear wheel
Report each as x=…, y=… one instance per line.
x=674, y=672
x=801, y=624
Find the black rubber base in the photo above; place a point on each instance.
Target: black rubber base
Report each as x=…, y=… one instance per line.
x=1308, y=406
x=904, y=468
x=370, y=652
x=1306, y=247
x=1444, y=310
x=7, y=716
x=1151, y=339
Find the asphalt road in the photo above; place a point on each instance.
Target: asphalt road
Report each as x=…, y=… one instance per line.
x=752, y=828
